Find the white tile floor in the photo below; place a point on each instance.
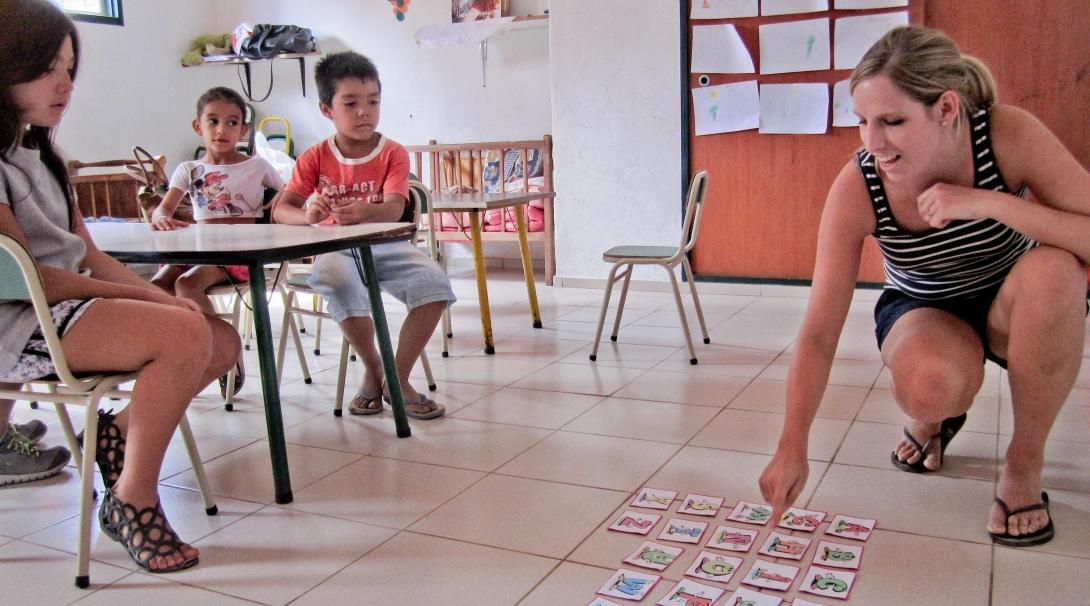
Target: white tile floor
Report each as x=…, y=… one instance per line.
x=506, y=500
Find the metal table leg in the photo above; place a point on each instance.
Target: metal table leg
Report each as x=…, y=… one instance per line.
x=270, y=387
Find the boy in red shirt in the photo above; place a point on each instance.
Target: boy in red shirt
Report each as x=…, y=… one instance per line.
x=360, y=176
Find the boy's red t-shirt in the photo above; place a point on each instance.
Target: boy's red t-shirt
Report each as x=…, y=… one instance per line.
x=323, y=170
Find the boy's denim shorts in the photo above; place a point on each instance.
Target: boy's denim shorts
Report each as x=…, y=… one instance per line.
x=403, y=272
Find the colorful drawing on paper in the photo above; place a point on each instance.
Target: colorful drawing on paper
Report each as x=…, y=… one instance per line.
x=748, y=597
x=629, y=585
x=683, y=531
x=690, y=593
x=602, y=602
x=634, y=522
x=653, y=498
x=714, y=567
x=801, y=519
x=838, y=555
x=654, y=556
x=750, y=513
x=473, y=10
x=729, y=538
x=700, y=505
x=400, y=8
x=847, y=527
x=828, y=583
x=771, y=575
x=779, y=545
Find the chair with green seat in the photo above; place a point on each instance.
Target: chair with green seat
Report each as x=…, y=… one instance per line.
x=669, y=258
x=20, y=280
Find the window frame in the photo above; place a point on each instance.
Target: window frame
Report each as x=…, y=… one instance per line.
x=111, y=14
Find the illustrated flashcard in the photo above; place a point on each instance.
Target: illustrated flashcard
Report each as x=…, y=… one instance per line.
x=838, y=555
x=654, y=556
x=602, y=602
x=629, y=585
x=683, y=531
x=714, y=567
x=801, y=519
x=634, y=522
x=802, y=602
x=829, y=583
x=851, y=528
x=784, y=546
x=750, y=513
x=653, y=498
x=700, y=505
x=729, y=538
x=771, y=575
x=748, y=597
x=690, y=593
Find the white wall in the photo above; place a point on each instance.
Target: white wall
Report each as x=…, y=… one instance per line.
x=617, y=129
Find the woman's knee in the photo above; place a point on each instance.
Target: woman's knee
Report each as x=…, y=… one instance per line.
x=1049, y=272
x=932, y=390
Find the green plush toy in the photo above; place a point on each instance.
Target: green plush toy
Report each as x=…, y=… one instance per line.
x=205, y=45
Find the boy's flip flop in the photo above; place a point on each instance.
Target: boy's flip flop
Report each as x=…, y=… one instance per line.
x=949, y=428
x=364, y=404
x=1039, y=537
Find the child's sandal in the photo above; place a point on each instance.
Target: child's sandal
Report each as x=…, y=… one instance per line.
x=144, y=533
x=110, y=452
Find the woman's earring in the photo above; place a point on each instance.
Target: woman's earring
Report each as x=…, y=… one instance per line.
x=945, y=123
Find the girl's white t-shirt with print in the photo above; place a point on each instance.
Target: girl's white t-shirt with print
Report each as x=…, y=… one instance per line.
x=226, y=190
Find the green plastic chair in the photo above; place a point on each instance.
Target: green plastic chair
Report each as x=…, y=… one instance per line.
x=20, y=280
x=668, y=257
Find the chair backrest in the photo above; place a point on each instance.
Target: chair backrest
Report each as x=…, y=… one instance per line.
x=420, y=201
x=115, y=193
x=19, y=279
x=694, y=207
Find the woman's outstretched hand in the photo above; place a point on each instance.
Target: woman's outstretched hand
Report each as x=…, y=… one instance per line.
x=783, y=479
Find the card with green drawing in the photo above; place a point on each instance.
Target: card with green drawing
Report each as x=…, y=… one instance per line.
x=829, y=583
x=654, y=556
x=838, y=555
x=714, y=567
x=750, y=513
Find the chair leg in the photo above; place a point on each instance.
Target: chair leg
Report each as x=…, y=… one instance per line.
x=229, y=393
x=342, y=370
x=210, y=506
x=316, y=305
x=247, y=325
x=621, y=302
x=67, y=428
x=427, y=371
x=86, y=498
x=605, y=306
x=696, y=298
x=681, y=314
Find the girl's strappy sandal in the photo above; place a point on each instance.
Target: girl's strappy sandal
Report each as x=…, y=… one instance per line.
x=110, y=452
x=144, y=533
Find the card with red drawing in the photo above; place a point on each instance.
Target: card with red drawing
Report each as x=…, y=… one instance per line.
x=690, y=593
x=653, y=498
x=770, y=575
x=683, y=531
x=634, y=522
x=714, y=567
x=750, y=597
x=750, y=513
x=629, y=585
x=602, y=602
x=847, y=527
x=779, y=545
x=801, y=519
x=654, y=556
x=700, y=505
x=829, y=583
x=729, y=538
x=838, y=555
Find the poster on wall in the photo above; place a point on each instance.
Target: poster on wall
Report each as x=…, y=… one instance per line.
x=799, y=109
x=719, y=49
x=855, y=36
x=790, y=7
x=843, y=115
x=726, y=108
x=795, y=46
x=474, y=10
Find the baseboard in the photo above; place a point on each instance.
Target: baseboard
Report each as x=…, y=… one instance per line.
x=495, y=262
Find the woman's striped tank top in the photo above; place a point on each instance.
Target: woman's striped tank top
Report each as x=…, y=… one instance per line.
x=962, y=259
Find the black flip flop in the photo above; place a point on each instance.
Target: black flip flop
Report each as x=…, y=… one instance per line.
x=949, y=428
x=1040, y=537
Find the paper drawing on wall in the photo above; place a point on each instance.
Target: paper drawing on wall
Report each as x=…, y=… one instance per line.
x=473, y=10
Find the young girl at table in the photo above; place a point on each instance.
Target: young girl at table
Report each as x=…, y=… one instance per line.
x=109, y=319
x=224, y=186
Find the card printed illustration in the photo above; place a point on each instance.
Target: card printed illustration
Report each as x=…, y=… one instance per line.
x=801, y=519
x=629, y=585
x=851, y=528
x=654, y=556
x=634, y=522
x=714, y=567
x=750, y=513
x=602, y=602
x=826, y=582
x=729, y=538
x=653, y=498
x=690, y=593
x=700, y=505
x=748, y=597
x=683, y=531
x=838, y=555
x=771, y=575
x=780, y=545
x=802, y=602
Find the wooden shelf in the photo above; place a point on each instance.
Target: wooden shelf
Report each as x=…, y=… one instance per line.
x=530, y=22
x=246, y=61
